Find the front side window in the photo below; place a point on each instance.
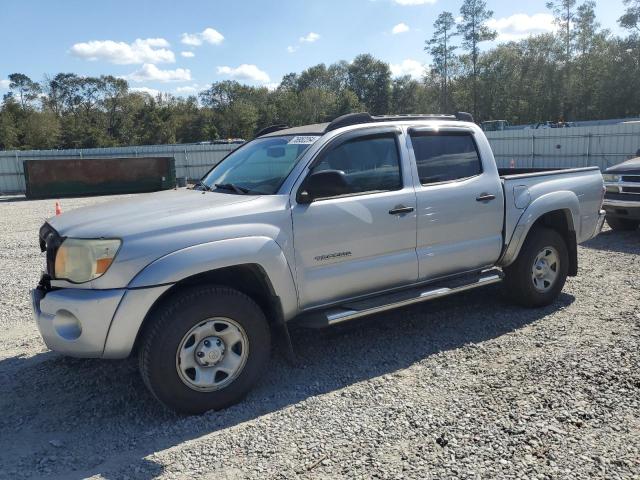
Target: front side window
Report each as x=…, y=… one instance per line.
x=370, y=164
x=260, y=166
x=445, y=156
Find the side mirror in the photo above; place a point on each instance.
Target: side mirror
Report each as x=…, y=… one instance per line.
x=322, y=184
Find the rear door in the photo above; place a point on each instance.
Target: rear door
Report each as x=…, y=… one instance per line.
x=459, y=201
x=356, y=243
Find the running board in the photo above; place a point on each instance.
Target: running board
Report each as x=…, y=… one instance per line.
x=382, y=303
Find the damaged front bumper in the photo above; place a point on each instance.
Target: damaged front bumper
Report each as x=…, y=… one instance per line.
x=75, y=322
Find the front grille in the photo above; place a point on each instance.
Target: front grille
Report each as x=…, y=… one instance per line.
x=630, y=189
x=631, y=178
x=623, y=196
x=50, y=241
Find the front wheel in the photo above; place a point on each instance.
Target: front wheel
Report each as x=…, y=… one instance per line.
x=622, y=224
x=536, y=277
x=204, y=349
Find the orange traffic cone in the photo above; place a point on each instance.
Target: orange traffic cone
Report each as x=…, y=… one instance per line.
x=58, y=208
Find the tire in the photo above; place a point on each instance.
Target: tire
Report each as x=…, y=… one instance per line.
x=531, y=288
x=191, y=325
x=622, y=224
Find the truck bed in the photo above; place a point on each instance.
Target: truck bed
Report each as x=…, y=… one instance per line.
x=524, y=186
x=522, y=172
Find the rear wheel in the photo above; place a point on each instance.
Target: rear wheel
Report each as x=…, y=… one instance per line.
x=623, y=224
x=204, y=349
x=537, y=276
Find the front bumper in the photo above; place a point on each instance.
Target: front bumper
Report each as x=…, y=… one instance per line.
x=75, y=321
x=622, y=208
x=601, y=216
x=92, y=323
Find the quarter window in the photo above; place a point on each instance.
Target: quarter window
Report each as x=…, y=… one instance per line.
x=370, y=164
x=443, y=157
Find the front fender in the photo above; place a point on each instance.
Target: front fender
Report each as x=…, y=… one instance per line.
x=564, y=200
x=205, y=257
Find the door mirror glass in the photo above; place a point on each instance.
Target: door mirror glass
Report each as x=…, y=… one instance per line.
x=322, y=184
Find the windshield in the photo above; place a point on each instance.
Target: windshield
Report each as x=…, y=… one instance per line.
x=258, y=167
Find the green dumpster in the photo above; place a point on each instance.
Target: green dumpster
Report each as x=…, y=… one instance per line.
x=54, y=178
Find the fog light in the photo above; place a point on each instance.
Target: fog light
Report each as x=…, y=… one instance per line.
x=67, y=325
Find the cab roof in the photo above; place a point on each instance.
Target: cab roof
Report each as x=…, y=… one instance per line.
x=355, y=119
x=314, y=129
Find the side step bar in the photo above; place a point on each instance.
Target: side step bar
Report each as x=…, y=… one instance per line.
x=362, y=308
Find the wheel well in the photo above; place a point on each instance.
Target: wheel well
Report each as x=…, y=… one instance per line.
x=249, y=279
x=562, y=222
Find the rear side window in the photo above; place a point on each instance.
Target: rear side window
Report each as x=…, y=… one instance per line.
x=370, y=164
x=442, y=157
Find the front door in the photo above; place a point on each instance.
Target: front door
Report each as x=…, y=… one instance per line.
x=365, y=240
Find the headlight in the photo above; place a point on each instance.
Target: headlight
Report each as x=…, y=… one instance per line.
x=610, y=177
x=80, y=261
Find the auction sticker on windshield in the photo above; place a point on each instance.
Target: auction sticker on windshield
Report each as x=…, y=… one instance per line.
x=303, y=140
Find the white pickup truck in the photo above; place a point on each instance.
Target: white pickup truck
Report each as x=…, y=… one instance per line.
x=317, y=224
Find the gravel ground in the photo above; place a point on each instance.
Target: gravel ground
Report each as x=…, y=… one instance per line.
x=466, y=387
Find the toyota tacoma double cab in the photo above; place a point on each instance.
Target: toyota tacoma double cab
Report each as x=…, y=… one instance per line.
x=316, y=224
x=622, y=199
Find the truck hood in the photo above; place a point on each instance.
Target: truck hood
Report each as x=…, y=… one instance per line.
x=630, y=166
x=146, y=213
x=157, y=224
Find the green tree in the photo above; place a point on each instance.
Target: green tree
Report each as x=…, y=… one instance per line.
x=586, y=27
x=41, y=131
x=474, y=30
x=8, y=128
x=564, y=16
x=442, y=51
x=407, y=95
x=630, y=20
x=370, y=79
x=347, y=102
x=27, y=90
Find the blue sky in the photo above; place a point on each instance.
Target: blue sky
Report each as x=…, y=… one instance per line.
x=182, y=46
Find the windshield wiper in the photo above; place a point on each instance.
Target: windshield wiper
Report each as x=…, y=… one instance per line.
x=232, y=186
x=201, y=186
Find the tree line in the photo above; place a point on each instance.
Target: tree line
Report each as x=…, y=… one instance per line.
x=581, y=71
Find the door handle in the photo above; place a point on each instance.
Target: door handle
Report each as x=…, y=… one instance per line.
x=399, y=209
x=485, y=197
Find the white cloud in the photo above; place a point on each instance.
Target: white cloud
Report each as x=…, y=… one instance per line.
x=408, y=67
x=149, y=72
x=188, y=89
x=521, y=25
x=208, y=35
x=150, y=50
x=151, y=91
x=245, y=72
x=310, y=38
x=4, y=84
x=400, y=28
x=188, y=54
x=414, y=2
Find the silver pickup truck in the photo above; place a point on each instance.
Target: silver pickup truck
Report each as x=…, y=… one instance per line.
x=622, y=200
x=316, y=224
